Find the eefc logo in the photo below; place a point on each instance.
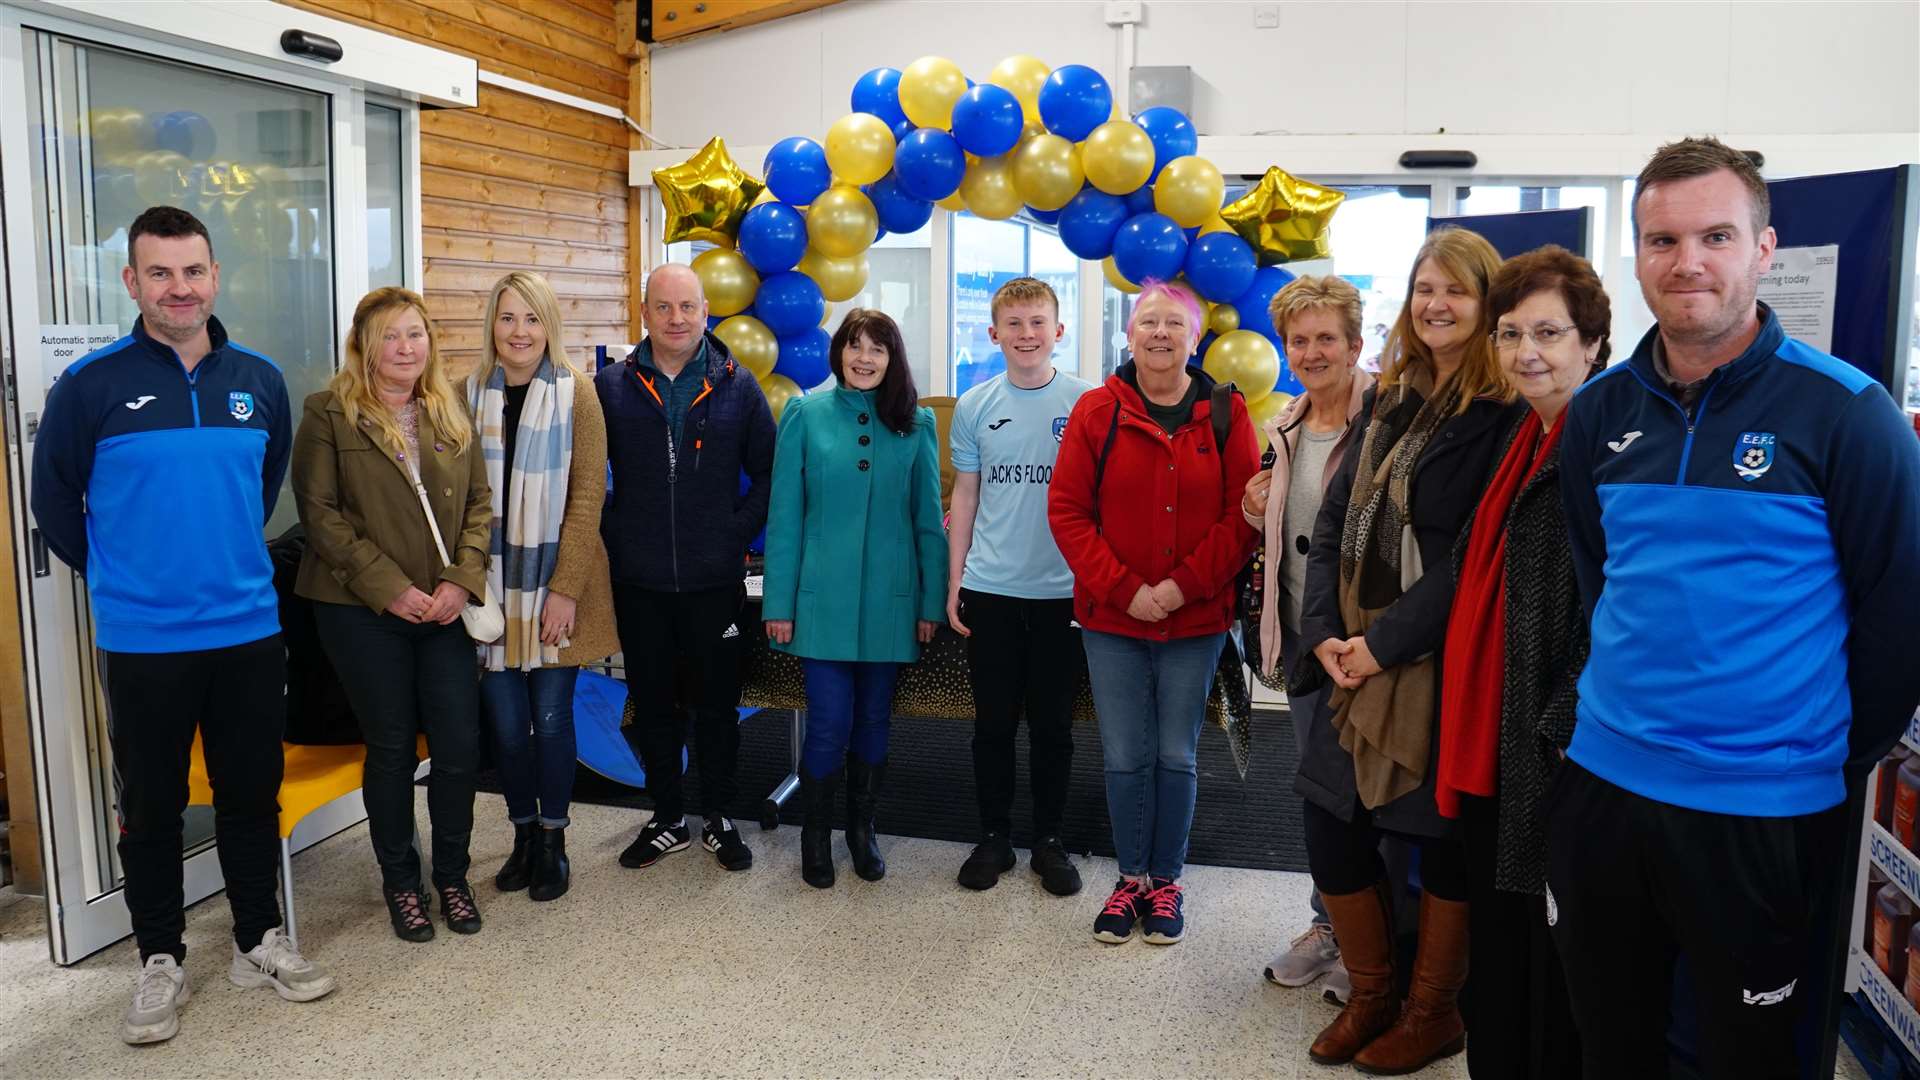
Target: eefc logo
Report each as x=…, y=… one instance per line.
x=1753, y=455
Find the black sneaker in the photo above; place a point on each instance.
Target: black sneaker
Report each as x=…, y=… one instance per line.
x=1115, y=921
x=993, y=857
x=656, y=839
x=1162, y=921
x=1055, y=867
x=720, y=837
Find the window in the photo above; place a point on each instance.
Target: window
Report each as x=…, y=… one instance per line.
x=900, y=283
x=386, y=192
x=986, y=255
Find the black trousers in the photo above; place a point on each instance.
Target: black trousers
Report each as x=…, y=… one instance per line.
x=1024, y=657
x=236, y=698
x=1344, y=856
x=1519, y=1021
x=405, y=680
x=1634, y=884
x=657, y=631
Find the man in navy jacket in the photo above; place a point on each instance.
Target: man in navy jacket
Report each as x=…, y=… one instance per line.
x=1744, y=512
x=155, y=469
x=684, y=421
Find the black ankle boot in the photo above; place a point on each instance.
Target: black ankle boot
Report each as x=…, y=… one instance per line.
x=551, y=871
x=863, y=791
x=816, y=835
x=518, y=869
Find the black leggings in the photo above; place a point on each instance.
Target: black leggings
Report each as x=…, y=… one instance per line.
x=1344, y=856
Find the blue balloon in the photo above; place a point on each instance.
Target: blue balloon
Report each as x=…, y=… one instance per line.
x=1253, y=303
x=1200, y=352
x=898, y=211
x=987, y=121
x=878, y=92
x=1172, y=133
x=773, y=236
x=1148, y=246
x=901, y=130
x=789, y=302
x=803, y=357
x=713, y=321
x=797, y=170
x=1140, y=200
x=185, y=133
x=929, y=164
x=1220, y=265
x=1074, y=100
x=1044, y=217
x=1089, y=220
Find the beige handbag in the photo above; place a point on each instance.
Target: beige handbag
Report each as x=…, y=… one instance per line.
x=485, y=621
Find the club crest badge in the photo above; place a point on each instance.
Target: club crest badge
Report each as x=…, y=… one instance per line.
x=1059, y=427
x=240, y=405
x=1753, y=455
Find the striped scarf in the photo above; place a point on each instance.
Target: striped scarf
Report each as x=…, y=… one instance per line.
x=525, y=543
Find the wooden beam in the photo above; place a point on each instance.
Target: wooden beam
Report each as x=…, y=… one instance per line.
x=640, y=109
x=675, y=20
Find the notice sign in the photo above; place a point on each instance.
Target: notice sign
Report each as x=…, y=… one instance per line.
x=1800, y=287
x=63, y=343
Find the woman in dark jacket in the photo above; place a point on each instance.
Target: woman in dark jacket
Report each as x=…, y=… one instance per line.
x=1515, y=645
x=1375, y=624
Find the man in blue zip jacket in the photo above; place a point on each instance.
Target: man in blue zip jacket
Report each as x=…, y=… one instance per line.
x=1744, y=512
x=155, y=469
x=683, y=421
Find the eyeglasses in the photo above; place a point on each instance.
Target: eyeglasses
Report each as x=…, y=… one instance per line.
x=1545, y=336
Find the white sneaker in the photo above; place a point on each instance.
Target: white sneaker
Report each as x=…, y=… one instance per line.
x=154, y=1015
x=276, y=963
x=1338, y=986
x=1312, y=954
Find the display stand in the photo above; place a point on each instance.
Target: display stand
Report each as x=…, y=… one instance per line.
x=1878, y=847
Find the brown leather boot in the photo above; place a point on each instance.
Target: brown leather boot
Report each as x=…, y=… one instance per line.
x=1429, y=1027
x=1364, y=929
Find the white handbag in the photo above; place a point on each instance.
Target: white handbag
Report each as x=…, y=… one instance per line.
x=485, y=621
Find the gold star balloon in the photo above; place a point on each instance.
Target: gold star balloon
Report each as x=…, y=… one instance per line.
x=706, y=195
x=1283, y=217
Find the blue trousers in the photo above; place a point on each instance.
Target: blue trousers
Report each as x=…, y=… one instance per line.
x=849, y=707
x=1151, y=697
x=536, y=771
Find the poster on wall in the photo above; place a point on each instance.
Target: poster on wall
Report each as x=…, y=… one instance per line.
x=63, y=343
x=1800, y=287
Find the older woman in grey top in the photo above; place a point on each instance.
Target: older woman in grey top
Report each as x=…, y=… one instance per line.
x=1318, y=318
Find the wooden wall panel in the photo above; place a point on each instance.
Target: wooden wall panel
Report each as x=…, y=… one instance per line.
x=518, y=183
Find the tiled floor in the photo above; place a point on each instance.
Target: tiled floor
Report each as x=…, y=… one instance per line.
x=684, y=970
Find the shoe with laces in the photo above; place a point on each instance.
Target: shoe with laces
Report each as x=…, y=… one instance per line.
x=1055, y=867
x=657, y=839
x=1312, y=954
x=458, y=908
x=1163, y=923
x=408, y=910
x=276, y=963
x=991, y=857
x=1117, y=917
x=723, y=840
x=1338, y=987
x=154, y=1015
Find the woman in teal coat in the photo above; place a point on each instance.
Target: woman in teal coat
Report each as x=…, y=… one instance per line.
x=856, y=572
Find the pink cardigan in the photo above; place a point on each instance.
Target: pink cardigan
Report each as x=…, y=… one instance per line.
x=1270, y=629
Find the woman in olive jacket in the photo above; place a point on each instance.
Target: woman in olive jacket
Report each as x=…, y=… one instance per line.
x=389, y=431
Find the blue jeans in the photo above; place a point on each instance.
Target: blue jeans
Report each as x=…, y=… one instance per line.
x=536, y=773
x=849, y=706
x=1151, y=697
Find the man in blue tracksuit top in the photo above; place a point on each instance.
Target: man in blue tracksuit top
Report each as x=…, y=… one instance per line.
x=1744, y=512
x=155, y=469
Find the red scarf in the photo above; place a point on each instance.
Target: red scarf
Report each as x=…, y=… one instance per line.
x=1472, y=680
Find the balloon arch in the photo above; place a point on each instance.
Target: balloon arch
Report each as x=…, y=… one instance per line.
x=1131, y=193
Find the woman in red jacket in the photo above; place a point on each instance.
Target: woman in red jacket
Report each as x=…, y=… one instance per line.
x=1145, y=505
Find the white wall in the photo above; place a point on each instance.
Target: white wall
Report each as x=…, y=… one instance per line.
x=1621, y=73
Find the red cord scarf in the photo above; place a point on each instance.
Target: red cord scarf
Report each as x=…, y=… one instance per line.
x=1472, y=679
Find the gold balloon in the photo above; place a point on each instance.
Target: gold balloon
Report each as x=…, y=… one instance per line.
x=1213, y=225
x=1284, y=217
x=839, y=279
x=1224, y=320
x=988, y=188
x=728, y=280
x=1266, y=408
x=860, y=148
x=1047, y=172
x=1189, y=191
x=1118, y=157
x=842, y=222
x=779, y=390
x=954, y=202
x=706, y=195
x=826, y=315
x=750, y=342
x=1023, y=76
x=928, y=88
x=1114, y=277
x=1245, y=359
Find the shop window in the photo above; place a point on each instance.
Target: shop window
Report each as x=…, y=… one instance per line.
x=987, y=255
x=386, y=198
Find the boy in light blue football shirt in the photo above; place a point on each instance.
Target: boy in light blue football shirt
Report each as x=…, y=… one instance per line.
x=1010, y=593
